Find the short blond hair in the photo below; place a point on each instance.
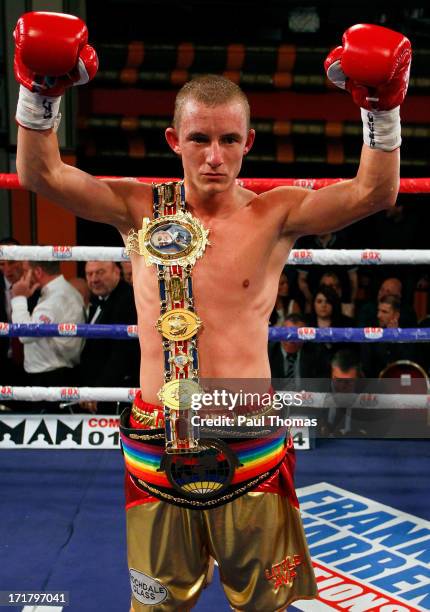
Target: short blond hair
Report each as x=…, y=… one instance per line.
x=211, y=90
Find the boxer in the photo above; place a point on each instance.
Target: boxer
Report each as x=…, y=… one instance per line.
x=252, y=525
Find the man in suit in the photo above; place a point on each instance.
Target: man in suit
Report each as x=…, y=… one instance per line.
x=285, y=357
x=375, y=357
x=105, y=362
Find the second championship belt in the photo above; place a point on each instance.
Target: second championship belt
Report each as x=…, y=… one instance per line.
x=173, y=241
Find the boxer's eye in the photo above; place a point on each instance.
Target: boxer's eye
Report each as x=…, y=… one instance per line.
x=199, y=138
x=230, y=139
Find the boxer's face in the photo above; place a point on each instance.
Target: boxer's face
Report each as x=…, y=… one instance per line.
x=211, y=142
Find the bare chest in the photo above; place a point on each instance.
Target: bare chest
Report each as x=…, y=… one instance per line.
x=233, y=267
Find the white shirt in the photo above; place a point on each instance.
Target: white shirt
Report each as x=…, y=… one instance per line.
x=8, y=297
x=59, y=303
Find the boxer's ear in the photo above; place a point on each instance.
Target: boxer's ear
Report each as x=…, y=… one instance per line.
x=249, y=141
x=173, y=140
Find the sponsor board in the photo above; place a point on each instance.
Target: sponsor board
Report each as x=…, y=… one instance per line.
x=78, y=430
x=367, y=556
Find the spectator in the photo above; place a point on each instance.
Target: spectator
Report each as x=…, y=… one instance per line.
x=285, y=357
x=326, y=312
x=376, y=357
x=11, y=349
x=346, y=378
x=331, y=279
x=127, y=273
x=48, y=362
x=326, y=309
x=388, y=311
x=368, y=314
x=104, y=362
x=309, y=277
x=284, y=304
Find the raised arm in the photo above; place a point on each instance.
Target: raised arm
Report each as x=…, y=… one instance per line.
x=55, y=44
x=373, y=65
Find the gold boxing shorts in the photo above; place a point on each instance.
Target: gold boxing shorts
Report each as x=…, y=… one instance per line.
x=257, y=540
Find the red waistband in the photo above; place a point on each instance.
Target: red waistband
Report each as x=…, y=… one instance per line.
x=157, y=411
x=140, y=403
x=280, y=483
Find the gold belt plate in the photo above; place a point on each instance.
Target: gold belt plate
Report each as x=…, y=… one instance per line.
x=178, y=324
x=176, y=394
x=178, y=239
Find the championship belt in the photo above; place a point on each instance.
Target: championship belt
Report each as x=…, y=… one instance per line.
x=174, y=464
x=173, y=241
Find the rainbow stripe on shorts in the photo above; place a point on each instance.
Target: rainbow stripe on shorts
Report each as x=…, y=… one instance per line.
x=256, y=460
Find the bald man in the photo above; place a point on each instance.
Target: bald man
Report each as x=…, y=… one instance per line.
x=104, y=362
x=368, y=313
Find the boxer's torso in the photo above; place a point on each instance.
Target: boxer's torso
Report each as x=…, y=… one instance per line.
x=235, y=286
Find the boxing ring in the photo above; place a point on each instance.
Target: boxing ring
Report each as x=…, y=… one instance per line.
x=62, y=525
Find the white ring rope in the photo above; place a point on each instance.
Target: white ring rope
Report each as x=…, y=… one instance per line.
x=321, y=257
x=309, y=399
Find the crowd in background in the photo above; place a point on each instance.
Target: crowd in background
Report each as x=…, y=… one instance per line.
x=37, y=292
x=314, y=296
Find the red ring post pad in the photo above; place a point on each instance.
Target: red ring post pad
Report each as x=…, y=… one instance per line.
x=258, y=185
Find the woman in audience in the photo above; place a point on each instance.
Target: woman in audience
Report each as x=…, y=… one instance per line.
x=326, y=312
x=284, y=304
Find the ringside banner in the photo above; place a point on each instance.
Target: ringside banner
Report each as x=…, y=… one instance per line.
x=367, y=556
x=79, y=431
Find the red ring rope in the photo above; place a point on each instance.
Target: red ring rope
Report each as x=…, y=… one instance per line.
x=407, y=185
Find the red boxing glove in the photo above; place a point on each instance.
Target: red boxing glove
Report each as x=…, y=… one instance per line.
x=51, y=55
x=373, y=64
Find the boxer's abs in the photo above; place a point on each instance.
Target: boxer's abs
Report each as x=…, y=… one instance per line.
x=228, y=349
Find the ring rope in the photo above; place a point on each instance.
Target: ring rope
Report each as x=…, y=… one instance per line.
x=258, y=185
x=319, y=257
x=122, y=394
x=293, y=334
